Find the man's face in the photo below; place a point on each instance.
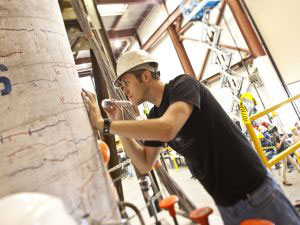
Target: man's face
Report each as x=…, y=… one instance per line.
x=133, y=88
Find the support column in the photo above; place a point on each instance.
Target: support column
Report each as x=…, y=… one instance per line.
x=46, y=142
x=246, y=28
x=181, y=53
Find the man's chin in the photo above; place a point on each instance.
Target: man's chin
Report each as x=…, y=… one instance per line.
x=137, y=103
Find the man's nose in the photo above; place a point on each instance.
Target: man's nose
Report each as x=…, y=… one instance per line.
x=125, y=90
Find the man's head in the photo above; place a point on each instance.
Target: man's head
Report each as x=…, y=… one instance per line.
x=135, y=72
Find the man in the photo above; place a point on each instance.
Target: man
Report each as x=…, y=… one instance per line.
x=189, y=119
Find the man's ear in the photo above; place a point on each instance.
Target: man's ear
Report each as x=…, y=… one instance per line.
x=147, y=76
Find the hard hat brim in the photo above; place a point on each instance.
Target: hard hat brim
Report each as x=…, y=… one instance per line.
x=145, y=66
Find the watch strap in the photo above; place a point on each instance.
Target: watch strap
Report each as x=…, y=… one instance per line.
x=106, y=126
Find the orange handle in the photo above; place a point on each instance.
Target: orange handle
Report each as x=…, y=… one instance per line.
x=200, y=216
x=104, y=150
x=256, y=222
x=157, y=165
x=168, y=204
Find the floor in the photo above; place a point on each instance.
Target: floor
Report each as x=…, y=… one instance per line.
x=196, y=194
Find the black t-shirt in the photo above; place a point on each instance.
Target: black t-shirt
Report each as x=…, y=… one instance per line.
x=219, y=155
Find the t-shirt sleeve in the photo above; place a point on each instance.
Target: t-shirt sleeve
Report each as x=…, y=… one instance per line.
x=186, y=89
x=152, y=143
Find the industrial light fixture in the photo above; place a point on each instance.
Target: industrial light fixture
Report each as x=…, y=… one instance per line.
x=112, y=9
x=117, y=44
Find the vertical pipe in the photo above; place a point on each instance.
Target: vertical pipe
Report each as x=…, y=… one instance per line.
x=46, y=141
x=102, y=93
x=256, y=142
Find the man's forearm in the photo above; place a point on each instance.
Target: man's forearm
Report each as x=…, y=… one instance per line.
x=153, y=129
x=136, y=153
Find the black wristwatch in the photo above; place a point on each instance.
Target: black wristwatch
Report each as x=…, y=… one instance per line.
x=106, y=126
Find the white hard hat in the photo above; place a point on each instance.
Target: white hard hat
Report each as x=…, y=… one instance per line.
x=33, y=209
x=135, y=60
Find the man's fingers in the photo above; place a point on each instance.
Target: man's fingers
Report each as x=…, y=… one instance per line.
x=85, y=99
x=89, y=95
x=94, y=97
x=116, y=106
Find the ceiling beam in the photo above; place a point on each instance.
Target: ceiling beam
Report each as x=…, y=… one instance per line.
x=162, y=28
x=85, y=73
x=83, y=60
x=118, y=34
x=144, y=15
x=126, y=1
x=116, y=22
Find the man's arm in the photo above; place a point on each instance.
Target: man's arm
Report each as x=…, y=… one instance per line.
x=143, y=157
x=162, y=129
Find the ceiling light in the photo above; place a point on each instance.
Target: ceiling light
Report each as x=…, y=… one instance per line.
x=117, y=44
x=112, y=9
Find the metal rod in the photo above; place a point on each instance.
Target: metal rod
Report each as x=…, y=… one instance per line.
x=284, y=154
x=273, y=108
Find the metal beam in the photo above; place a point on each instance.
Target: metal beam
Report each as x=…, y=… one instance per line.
x=246, y=28
x=162, y=28
x=116, y=22
x=126, y=1
x=182, y=55
x=181, y=38
x=185, y=28
x=118, y=34
x=88, y=73
x=82, y=60
x=144, y=15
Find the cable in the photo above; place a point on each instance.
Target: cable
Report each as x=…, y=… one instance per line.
x=135, y=209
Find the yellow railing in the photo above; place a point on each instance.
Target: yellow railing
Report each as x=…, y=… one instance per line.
x=247, y=121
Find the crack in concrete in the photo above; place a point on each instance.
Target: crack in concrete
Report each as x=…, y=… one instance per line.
x=24, y=169
x=49, y=145
x=32, y=81
x=12, y=29
x=29, y=131
x=9, y=54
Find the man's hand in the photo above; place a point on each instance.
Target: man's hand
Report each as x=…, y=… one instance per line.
x=90, y=102
x=114, y=112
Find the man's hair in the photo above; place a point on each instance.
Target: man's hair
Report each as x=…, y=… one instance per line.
x=138, y=74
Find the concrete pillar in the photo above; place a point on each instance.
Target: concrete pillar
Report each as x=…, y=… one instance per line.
x=46, y=141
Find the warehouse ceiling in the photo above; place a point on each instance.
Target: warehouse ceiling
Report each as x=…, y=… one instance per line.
x=121, y=19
